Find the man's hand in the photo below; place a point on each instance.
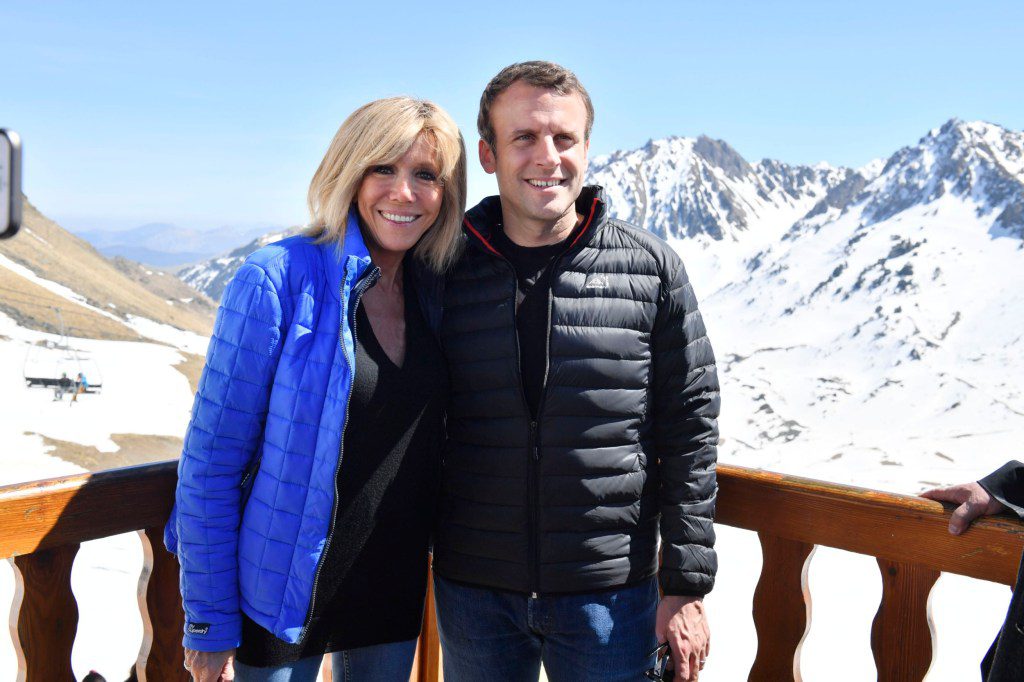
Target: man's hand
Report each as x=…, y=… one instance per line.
x=681, y=622
x=974, y=501
x=211, y=666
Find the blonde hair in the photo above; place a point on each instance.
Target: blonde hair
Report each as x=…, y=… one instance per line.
x=380, y=133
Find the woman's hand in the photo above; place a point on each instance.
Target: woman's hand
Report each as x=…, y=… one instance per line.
x=210, y=666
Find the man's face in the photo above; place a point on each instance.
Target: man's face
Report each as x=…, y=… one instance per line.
x=539, y=155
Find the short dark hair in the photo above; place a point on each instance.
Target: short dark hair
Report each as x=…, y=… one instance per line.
x=539, y=74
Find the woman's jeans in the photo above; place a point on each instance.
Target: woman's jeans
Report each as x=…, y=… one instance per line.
x=381, y=663
x=595, y=637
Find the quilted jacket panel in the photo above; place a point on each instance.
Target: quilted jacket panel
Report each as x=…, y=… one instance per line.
x=273, y=395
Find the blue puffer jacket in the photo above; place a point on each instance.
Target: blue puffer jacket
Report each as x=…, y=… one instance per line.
x=272, y=398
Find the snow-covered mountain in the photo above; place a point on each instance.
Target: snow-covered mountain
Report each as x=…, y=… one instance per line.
x=701, y=188
x=211, y=276
x=862, y=317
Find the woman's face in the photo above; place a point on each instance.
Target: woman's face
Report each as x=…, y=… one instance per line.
x=398, y=202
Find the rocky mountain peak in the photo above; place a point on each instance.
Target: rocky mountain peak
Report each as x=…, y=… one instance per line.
x=973, y=160
x=703, y=188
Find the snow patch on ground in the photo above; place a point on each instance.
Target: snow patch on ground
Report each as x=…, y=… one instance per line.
x=189, y=342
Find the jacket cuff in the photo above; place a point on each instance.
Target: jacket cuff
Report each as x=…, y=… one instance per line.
x=1004, y=484
x=679, y=584
x=207, y=637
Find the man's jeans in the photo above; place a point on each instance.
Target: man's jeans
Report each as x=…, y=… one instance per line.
x=380, y=663
x=596, y=637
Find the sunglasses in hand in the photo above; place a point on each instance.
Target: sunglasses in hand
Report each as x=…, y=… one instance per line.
x=661, y=672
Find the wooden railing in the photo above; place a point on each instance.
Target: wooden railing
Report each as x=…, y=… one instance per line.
x=42, y=525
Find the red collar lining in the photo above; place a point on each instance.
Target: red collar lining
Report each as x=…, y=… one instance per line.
x=586, y=226
x=481, y=238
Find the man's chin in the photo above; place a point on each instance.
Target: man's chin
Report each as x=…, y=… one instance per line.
x=552, y=210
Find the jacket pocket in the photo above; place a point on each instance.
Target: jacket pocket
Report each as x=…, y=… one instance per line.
x=248, y=479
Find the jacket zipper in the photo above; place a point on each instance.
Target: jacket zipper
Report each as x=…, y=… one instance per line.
x=534, y=434
x=533, y=459
x=533, y=445
x=368, y=281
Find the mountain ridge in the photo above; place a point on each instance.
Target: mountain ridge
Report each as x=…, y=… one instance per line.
x=47, y=269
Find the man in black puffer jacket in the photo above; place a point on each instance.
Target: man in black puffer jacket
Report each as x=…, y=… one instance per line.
x=582, y=424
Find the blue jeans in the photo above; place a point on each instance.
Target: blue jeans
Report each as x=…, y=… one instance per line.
x=597, y=637
x=380, y=663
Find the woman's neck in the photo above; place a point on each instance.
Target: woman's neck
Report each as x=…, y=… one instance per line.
x=390, y=265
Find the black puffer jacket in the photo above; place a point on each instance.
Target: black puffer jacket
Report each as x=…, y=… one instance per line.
x=626, y=431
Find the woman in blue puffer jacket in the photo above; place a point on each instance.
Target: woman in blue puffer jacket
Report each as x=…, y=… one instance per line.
x=307, y=484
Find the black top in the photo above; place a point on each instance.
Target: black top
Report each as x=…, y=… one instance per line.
x=533, y=283
x=373, y=580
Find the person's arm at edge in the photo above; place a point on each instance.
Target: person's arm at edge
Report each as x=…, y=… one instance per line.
x=1006, y=484
x=1000, y=491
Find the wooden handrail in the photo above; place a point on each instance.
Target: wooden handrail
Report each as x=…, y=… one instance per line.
x=43, y=522
x=72, y=509
x=900, y=528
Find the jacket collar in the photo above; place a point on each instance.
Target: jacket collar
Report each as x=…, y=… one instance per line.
x=483, y=219
x=348, y=258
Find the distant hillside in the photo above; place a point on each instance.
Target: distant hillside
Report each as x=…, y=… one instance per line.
x=46, y=269
x=167, y=245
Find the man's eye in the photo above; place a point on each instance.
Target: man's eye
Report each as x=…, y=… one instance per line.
x=525, y=136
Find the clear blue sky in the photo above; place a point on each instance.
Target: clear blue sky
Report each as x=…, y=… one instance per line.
x=205, y=114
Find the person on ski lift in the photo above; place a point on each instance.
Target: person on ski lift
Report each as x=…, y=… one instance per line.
x=81, y=386
x=63, y=386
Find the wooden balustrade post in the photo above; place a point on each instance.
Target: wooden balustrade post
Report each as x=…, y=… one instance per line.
x=426, y=666
x=782, y=609
x=161, y=656
x=46, y=614
x=902, y=632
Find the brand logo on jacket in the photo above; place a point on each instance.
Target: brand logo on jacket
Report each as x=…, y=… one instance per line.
x=596, y=281
x=198, y=628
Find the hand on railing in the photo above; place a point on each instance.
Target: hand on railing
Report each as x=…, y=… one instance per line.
x=210, y=666
x=974, y=501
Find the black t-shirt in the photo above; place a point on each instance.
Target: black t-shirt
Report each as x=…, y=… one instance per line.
x=533, y=284
x=373, y=580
